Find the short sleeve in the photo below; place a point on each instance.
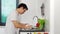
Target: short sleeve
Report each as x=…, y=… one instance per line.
x=12, y=16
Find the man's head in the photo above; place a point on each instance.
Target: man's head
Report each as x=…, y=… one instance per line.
x=22, y=8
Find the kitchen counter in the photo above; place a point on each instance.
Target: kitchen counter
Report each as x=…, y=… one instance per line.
x=31, y=30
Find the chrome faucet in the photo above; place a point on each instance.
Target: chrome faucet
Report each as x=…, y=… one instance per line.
x=35, y=17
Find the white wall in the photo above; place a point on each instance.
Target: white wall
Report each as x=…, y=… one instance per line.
x=2, y=30
x=47, y=15
x=56, y=16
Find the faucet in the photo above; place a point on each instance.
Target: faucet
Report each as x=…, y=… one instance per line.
x=35, y=20
x=35, y=17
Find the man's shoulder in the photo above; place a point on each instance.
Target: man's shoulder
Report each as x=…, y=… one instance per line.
x=11, y=14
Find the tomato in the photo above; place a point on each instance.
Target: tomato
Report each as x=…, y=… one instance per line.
x=37, y=25
x=39, y=33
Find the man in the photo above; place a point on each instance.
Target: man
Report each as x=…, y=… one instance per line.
x=13, y=20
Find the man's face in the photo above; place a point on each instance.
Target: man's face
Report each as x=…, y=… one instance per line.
x=21, y=10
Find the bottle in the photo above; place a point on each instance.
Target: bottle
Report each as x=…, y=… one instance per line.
x=34, y=32
x=39, y=33
x=30, y=33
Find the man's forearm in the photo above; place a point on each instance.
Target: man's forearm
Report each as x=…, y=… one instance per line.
x=18, y=25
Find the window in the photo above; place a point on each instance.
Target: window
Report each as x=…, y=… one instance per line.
x=6, y=6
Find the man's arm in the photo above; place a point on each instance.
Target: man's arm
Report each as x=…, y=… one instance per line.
x=19, y=25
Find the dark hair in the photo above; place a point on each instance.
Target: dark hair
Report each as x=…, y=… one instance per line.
x=22, y=5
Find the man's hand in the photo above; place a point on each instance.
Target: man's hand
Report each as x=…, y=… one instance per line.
x=28, y=27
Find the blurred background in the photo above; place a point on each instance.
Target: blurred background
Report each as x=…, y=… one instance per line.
x=34, y=9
